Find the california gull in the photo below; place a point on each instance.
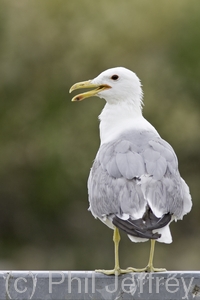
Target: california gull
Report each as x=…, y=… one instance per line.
x=134, y=184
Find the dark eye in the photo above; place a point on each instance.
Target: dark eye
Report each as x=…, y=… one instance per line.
x=115, y=77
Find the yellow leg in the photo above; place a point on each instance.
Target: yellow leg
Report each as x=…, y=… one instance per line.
x=149, y=268
x=116, y=240
x=117, y=270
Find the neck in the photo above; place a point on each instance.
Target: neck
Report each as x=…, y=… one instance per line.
x=115, y=118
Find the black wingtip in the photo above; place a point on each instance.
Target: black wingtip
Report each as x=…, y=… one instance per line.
x=143, y=227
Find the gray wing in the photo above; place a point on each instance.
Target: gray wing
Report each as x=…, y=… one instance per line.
x=137, y=169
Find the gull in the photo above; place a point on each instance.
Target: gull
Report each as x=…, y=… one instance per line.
x=134, y=184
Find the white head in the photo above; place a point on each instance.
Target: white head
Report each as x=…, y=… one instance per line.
x=121, y=89
x=114, y=85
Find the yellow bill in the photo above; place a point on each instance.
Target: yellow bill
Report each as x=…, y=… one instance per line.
x=87, y=85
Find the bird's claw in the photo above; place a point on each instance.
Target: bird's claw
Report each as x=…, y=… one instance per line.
x=147, y=269
x=115, y=271
x=118, y=271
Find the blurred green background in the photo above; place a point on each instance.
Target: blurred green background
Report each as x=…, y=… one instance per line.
x=48, y=143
